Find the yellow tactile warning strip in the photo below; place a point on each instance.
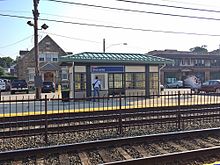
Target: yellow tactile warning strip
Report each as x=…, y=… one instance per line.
x=62, y=111
x=215, y=163
x=157, y=102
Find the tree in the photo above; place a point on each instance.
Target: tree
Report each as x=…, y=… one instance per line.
x=6, y=62
x=198, y=49
x=1, y=71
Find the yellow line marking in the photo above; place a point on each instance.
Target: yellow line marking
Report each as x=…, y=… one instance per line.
x=157, y=102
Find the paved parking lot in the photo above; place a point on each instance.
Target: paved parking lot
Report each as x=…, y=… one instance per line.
x=31, y=95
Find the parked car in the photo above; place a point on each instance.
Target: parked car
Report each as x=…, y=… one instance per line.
x=19, y=86
x=2, y=85
x=48, y=87
x=210, y=86
x=176, y=84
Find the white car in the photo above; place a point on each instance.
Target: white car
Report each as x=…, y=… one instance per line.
x=2, y=85
x=177, y=84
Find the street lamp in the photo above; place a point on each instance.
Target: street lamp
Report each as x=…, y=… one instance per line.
x=37, y=78
x=104, y=45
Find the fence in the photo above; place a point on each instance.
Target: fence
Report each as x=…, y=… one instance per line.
x=29, y=106
x=175, y=111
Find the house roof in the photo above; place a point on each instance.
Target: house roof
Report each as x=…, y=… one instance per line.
x=89, y=57
x=49, y=67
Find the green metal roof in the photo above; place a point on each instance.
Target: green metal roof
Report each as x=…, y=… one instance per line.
x=95, y=57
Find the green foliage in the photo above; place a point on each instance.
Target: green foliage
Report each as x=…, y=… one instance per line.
x=1, y=71
x=199, y=49
x=6, y=62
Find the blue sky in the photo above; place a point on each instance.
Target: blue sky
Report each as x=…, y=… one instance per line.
x=16, y=35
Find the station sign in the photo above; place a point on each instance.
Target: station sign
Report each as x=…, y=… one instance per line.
x=107, y=69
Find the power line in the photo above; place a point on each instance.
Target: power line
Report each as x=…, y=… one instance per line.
x=15, y=11
x=16, y=16
x=16, y=42
x=187, y=3
x=69, y=17
x=74, y=38
x=129, y=28
x=55, y=15
x=136, y=11
x=170, y=6
x=116, y=27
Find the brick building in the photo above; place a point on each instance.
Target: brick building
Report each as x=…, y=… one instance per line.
x=50, y=70
x=204, y=66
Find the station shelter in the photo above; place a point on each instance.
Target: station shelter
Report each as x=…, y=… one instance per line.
x=119, y=73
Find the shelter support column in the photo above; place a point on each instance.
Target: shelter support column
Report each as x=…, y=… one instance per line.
x=147, y=79
x=72, y=81
x=88, y=81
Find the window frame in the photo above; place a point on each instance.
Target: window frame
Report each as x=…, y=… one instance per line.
x=81, y=82
x=134, y=80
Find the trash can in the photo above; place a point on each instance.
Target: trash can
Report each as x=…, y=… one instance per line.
x=65, y=95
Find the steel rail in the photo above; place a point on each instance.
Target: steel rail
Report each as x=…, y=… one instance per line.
x=149, y=117
x=169, y=158
x=105, y=114
x=58, y=149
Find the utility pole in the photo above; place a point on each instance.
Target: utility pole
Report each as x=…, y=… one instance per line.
x=37, y=78
x=103, y=45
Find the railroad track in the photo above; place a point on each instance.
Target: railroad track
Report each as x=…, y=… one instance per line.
x=188, y=147
x=180, y=117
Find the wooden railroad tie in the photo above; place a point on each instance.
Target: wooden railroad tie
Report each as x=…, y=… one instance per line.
x=159, y=148
x=40, y=161
x=64, y=159
x=16, y=162
x=142, y=151
x=84, y=158
x=177, y=146
x=124, y=153
x=105, y=156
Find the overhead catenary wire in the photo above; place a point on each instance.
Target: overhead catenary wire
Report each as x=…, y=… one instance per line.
x=12, y=44
x=187, y=3
x=115, y=27
x=129, y=28
x=54, y=15
x=169, y=6
x=74, y=38
x=15, y=16
x=136, y=11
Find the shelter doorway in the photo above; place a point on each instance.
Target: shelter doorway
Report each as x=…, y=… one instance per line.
x=116, y=83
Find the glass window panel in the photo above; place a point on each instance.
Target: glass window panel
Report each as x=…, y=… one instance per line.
x=153, y=82
x=128, y=77
x=118, y=84
x=55, y=59
x=140, y=84
x=118, y=77
x=80, y=81
x=135, y=80
x=110, y=76
x=110, y=84
x=41, y=59
x=129, y=85
x=77, y=86
x=140, y=76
